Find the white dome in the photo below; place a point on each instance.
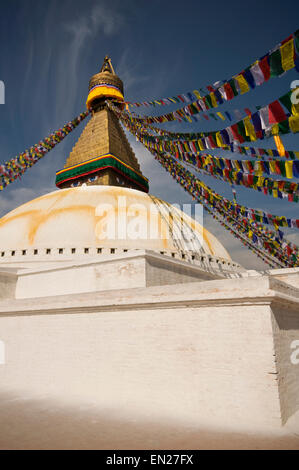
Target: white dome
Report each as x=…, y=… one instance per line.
x=80, y=218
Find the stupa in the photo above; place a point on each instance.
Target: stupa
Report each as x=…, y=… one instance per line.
x=103, y=209
x=113, y=298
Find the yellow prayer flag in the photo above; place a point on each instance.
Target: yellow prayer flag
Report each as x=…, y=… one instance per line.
x=274, y=193
x=284, y=222
x=289, y=169
x=218, y=162
x=221, y=116
x=200, y=145
x=272, y=167
x=258, y=168
x=244, y=87
x=295, y=105
x=249, y=128
x=279, y=145
x=270, y=152
x=219, y=140
x=213, y=99
x=287, y=55
x=297, y=154
x=275, y=129
x=294, y=123
x=197, y=94
x=260, y=181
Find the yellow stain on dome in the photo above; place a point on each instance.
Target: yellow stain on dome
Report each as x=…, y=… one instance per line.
x=206, y=239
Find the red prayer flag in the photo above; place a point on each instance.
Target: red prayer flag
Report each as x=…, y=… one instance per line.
x=212, y=142
x=265, y=67
x=281, y=185
x=250, y=180
x=277, y=168
x=236, y=134
x=229, y=92
x=276, y=113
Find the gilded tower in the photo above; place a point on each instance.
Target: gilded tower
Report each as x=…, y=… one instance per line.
x=103, y=155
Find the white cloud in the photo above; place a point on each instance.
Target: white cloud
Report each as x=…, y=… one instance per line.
x=19, y=196
x=100, y=19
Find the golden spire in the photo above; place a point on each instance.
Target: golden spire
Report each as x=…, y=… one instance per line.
x=103, y=155
x=107, y=66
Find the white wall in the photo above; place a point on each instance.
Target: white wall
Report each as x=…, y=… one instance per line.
x=199, y=352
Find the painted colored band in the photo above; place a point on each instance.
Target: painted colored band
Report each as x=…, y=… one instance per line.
x=99, y=164
x=103, y=91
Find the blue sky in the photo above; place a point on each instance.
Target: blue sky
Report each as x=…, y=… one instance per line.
x=50, y=49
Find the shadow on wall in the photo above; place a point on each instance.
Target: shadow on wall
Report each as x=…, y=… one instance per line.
x=43, y=424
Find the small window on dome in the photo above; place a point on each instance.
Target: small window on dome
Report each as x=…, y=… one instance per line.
x=99, y=251
x=35, y=252
x=2, y=254
x=13, y=253
x=24, y=252
x=112, y=251
x=73, y=251
x=86, y=251
x=48, y=252
x=61, y=251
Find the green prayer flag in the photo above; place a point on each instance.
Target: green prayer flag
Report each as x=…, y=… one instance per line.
x=275, y=63
x=282, y=168
x=241, y=130
x=284, y=127
x=233, y=86
x=209, y=101
x=286, y=101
